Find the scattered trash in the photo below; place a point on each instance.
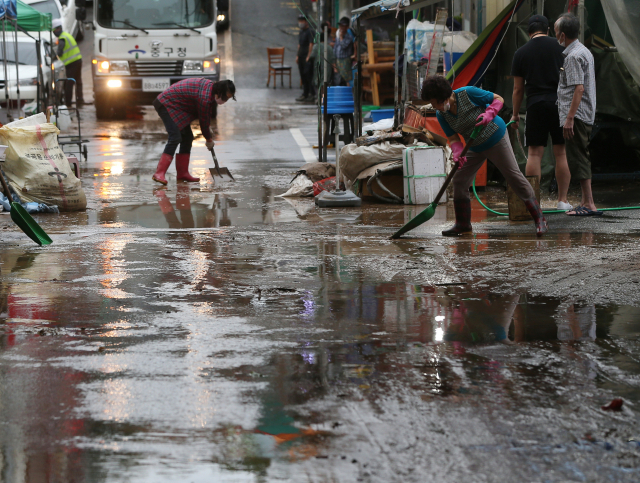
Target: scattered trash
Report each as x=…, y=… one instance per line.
x=327, y=184
x=301, y=186
x=30, y=207
x=614, y=405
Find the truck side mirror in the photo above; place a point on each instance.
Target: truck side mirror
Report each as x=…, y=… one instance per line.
x=81, y=14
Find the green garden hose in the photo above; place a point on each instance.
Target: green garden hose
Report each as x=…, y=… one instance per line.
x=546, y=211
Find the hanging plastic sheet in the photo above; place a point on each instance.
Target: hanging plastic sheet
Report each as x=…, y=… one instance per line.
x=11, y=9
x=623, y=17
x=471, y=67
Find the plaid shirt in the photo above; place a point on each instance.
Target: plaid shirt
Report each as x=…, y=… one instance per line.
x=578, y=69
x=343, y=48
x=188, y=100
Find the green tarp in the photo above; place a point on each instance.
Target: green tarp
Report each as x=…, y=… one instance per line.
x=30, y=19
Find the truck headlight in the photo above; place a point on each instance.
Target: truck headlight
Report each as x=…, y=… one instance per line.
x=120, y=67
x=103, y=66
x=209, y=66
x=221, y=17
x=192, y=67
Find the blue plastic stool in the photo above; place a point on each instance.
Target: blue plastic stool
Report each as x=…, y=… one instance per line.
x=339, y=101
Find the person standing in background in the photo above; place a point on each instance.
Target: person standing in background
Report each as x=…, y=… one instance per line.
x=577, y=107
x=305, y=47
x=69, y=54
x=536, y=71
x=344, y=50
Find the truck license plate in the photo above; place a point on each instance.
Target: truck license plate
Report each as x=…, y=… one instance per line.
x=155, y=85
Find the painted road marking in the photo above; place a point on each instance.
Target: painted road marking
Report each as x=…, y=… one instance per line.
x=307, y=151
x=228, y=50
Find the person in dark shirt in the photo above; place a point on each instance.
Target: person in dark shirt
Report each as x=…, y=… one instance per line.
x=305, y=46
x=536, y=72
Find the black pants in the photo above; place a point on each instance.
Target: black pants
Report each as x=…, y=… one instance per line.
x=306, y=74
x=182, y=137
x=74, y=71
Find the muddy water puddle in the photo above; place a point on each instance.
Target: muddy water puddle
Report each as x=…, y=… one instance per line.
x=150, y=366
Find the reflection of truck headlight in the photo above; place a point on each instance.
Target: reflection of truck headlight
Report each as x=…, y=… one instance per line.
x=192, y=67
x=221, y=17
x=28, y=82
x=114, y=83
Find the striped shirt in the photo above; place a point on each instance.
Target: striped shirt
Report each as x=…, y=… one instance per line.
x=578, y=69
x=188, y=100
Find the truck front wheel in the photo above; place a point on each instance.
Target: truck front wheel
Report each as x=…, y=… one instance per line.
x=103, y=110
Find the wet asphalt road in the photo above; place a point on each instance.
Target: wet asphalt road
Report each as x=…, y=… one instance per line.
x=215, y=332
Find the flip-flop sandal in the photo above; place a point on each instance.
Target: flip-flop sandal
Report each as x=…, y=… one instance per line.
x=582, y=211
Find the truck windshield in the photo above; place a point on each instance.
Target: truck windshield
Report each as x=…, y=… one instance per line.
x=154, y=14
x=27, y=54
x=48, y=6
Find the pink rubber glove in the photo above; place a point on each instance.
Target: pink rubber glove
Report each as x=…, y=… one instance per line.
x=457, y=149
x=490, y=113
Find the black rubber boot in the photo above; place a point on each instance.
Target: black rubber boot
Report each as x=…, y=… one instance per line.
x=463, y=219
x=536, y=213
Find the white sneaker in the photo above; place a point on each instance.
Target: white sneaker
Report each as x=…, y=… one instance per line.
x=564, y=206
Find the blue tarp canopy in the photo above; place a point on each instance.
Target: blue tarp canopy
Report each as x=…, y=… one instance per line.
x=8, y=9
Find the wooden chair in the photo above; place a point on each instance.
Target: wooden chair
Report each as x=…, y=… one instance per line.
x=277, y=67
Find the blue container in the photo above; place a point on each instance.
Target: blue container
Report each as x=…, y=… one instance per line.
x=340, y=107
x=447, y=59
x=381, y=114
x=340, y=89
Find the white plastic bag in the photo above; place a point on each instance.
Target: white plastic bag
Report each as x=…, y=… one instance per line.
x=38, y=169
x=301, y=186
x=417, y=32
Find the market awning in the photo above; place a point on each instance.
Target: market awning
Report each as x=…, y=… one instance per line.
x=383, y=7
x=29, y=19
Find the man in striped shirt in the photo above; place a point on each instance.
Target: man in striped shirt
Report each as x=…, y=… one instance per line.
x=577, y=107
x=178, y=106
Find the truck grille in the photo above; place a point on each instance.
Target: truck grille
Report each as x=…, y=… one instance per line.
x=169, y=67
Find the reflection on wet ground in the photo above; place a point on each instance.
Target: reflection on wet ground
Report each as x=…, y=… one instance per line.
x=214, y=331
x=237, y=357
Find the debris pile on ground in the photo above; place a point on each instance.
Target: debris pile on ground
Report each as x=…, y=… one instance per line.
x=304, y=179
x=37, y=168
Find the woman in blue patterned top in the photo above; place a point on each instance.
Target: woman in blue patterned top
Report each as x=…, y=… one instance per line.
x=458, y=113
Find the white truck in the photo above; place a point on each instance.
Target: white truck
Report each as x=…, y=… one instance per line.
x=141, y=47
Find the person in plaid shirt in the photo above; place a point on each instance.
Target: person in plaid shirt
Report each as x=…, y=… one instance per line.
x=178, y=106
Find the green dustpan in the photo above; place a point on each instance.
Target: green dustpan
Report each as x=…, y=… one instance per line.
x=24, y=220
x=28, y=225
x=430, y=210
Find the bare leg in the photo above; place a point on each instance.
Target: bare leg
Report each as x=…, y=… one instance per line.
x=587, y=195
x=534, y=161
x=563, y=175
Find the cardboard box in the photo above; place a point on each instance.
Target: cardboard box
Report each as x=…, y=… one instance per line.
x=424, y=174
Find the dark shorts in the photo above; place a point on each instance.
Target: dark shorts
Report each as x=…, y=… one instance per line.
x=542, y=121
x=578, y=151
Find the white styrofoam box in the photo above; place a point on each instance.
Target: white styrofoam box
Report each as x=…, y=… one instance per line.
x=423, y=168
